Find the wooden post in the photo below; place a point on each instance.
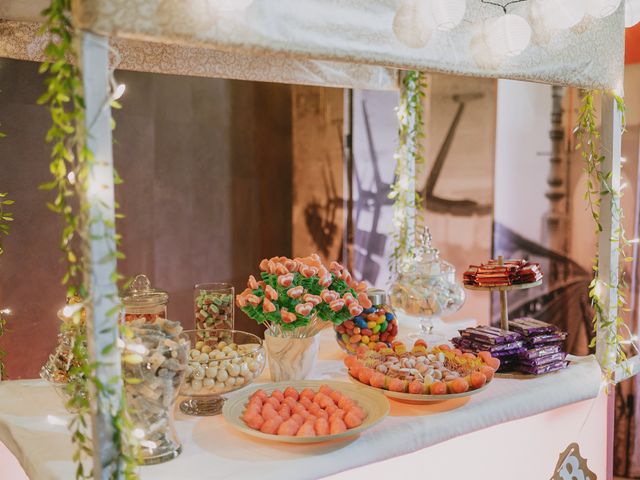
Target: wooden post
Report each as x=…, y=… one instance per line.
x=607, y=276
x=102, y=329
x=412, y=149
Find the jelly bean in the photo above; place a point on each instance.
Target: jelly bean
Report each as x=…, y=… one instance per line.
x=359, y=317
x=371, y=324
x=361, y=323
x=389, y=316
x=366, y=331
x=383, y=326
x=348, y=324
x=356, y=330
x=340, y=329
x=374, y=338
x=365, y=339
x=376, y=329
x=380, y=319
x=355, y=338
x=369, y=310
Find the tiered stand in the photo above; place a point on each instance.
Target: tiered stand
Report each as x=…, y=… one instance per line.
x=504, y=312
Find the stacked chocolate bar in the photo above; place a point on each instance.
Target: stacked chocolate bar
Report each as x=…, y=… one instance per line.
x=531, y=346
x=544, y=346
x=507, y=346
x=511, y=272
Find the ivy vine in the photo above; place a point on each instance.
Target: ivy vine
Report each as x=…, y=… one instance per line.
x=6, y=218
x=70, y=164
x=407, y=203
x=598, y=186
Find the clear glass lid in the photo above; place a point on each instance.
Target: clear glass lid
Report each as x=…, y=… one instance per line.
x=141, y=294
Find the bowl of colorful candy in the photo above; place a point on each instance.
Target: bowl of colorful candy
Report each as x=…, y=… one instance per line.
x=220, y=361
x=377, y=323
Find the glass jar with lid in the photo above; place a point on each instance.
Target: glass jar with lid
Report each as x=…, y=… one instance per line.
x=426, y=287
x=375, y=324
x=141, y=301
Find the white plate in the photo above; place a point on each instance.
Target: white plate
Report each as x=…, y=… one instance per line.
x=415, y=397
x=376, y=407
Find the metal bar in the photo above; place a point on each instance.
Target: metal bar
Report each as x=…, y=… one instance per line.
x=607, y=275
x=102, y=329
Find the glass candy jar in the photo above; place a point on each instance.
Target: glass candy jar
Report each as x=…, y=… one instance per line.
x=373, y=325
x=142, y=301
x=426, y=287
x=154, y=361
x=214, y=307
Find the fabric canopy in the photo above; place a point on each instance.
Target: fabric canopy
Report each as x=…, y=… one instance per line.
x=357, y=32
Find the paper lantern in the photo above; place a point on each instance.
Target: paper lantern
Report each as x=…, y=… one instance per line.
x=447, y=14
x=482, y=54
x=413, y=23
x=631, y=13
x=230, y=5
x=507, y=35
x=602, y=8
x=556, y=14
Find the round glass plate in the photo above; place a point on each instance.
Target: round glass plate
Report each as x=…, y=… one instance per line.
x=417, y=398
x=376, y=406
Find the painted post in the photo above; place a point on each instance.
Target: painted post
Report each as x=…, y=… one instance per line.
x=607, y=275
x=102, y=328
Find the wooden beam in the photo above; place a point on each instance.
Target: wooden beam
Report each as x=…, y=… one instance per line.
x=102, y=328
x=607, y=275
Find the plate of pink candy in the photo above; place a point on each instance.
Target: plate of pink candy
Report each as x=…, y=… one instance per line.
x=306, y=411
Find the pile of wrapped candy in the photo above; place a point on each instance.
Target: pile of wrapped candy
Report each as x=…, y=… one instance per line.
x=511, y=272
x=544, y=346
x=532, y=346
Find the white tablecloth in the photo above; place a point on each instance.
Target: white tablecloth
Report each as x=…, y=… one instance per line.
x=33, y=426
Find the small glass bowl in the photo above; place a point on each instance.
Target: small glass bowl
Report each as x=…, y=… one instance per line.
x=220, y=361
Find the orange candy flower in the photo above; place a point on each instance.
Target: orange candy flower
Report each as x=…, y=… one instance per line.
x=268, y=306
x=287, y=317
x=285, y=280
x=337, y=305
x=252, y=283
x=304, y=309
x=295, y=292
x=271, y=293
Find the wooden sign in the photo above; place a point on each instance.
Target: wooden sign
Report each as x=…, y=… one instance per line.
x=571, y=466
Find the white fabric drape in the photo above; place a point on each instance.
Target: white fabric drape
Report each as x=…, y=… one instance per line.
x=360, y=32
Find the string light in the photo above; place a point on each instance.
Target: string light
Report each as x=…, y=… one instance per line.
x=447, y=14
x=550, y=15
x=631, y=13
x=71, y=176
x=413, y=23
x=601, y=8
x=119, y=91
x=507, y=35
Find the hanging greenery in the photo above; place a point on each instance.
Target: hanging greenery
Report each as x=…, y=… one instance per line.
x=5, y=226
x=598, y=186
x=70, y=164
x=407, y=203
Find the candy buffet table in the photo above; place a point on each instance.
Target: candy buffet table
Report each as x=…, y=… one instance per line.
x=510, y=425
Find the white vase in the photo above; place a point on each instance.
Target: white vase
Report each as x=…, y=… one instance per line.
x=291, y=358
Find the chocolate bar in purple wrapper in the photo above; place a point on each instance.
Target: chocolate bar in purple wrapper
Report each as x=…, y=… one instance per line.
x=530, y=326
x=535, y=362
x=547, y=338
x=549, y=367
x=540, y=351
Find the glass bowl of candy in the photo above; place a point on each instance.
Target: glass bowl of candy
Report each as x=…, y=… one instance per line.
x=375, y=324
x=220, y=361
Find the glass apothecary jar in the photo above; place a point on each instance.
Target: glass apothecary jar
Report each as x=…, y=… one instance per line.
x=426, y=287
x=213, y=305
x=375, y=324
x=154, y=361
x=141, y=301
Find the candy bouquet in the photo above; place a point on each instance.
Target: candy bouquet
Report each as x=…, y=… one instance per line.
x=295, y=297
